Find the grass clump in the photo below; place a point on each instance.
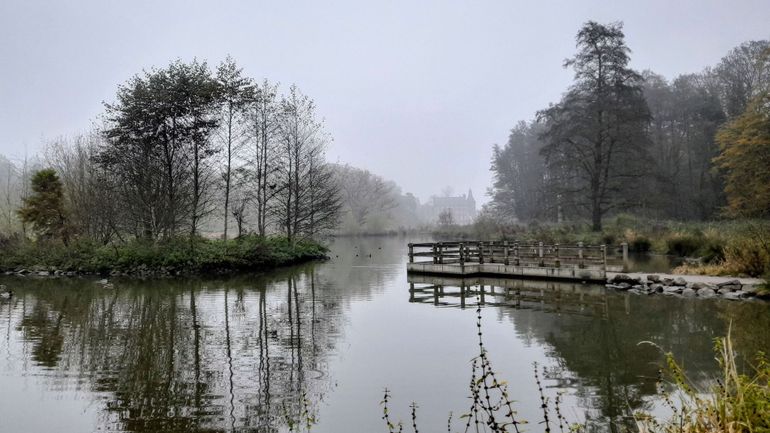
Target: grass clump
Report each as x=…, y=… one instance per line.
x=734, y=403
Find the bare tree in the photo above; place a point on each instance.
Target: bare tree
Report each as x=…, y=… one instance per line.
x=265, y=118
x=235, y=92
x=307, y=198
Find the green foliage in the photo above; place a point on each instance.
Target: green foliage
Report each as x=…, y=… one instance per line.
x=44, y=209
x=180, y=255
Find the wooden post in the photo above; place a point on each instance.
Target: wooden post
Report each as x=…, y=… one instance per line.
x=441, y=253
x=581, y=264
x=506, y=252
x=516, y=253
x=411, y=253
x=556, y=253
x=540, y=253
x=604, y=258
x=480, y=247
x=624, y=245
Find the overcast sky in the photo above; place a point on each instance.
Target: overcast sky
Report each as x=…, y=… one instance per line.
x=416, y=91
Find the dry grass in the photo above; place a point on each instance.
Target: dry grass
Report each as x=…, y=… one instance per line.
x=734, y=403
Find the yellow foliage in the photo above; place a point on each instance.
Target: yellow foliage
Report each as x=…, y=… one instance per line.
x=745, y=158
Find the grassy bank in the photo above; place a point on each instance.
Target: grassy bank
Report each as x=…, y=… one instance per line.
x=736, y=247
x=169, y=257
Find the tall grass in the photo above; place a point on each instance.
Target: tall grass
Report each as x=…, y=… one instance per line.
x=733, y=403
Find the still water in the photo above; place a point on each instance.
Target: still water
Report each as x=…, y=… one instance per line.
x=321, y=342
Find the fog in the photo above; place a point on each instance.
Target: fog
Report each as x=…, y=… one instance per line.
x=417, y=92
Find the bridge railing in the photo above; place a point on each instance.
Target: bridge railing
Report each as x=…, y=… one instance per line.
x=510, y=253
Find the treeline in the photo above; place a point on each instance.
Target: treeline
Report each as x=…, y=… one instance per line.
x=181, y=149
x=372, y=204
x=624, y=141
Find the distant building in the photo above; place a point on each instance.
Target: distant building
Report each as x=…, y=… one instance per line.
x=462, y=208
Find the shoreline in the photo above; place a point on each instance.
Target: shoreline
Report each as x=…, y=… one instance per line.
x=689, y=286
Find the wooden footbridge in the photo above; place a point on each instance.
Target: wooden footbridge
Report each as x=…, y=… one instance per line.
x=511, y=260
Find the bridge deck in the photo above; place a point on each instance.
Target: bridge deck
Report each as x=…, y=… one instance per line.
x=511, y=260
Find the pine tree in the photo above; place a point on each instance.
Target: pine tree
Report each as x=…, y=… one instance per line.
x=44, y=208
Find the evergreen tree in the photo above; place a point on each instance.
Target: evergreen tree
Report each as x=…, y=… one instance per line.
x=596, y=143
x=44, y=208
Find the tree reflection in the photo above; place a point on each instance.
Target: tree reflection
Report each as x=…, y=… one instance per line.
x=193, y=355
x=594, y=336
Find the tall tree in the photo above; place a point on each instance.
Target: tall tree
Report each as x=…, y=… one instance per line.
x=158, y=147
x=519, y=175
x=265, y=115
x=745, y=158
x=743, y=74
x=596, y=143
x=235, y=93
x=306, y=195
x=44, y=208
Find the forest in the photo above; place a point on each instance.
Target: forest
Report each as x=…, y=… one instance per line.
x=619, y=140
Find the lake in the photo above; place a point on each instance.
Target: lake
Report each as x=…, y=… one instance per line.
x=321, y=342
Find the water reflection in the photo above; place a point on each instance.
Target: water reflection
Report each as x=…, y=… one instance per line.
x=239, y=354
x=594, y=336
x=183, y=356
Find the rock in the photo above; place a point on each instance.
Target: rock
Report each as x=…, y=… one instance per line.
x=735, y=296
x=43, y=273
x=623, y=278
x=730, y=287
x=624, y=286
x=637, y=287
x=672, y=290
x=654, y=288
x=653, y=278
x=667, y=281
x=688, y=293
x=114, y=273
x=706, y=293
x=724, y=291
x=750, y=289
x=679, y=281
x=729, y=283
x=699, y=285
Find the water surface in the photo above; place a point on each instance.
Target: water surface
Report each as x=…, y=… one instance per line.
x=322, y=341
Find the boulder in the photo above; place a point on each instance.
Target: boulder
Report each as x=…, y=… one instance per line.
x=667, y=281
x=699, y=285
x=735, y=296
x=729, y=283
x=624, y=278
x=750, y=289
x=706, y=293
x=654, y=288
x=679, y=281
x=688, y=293
x=673, y=290
x=653, y=278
